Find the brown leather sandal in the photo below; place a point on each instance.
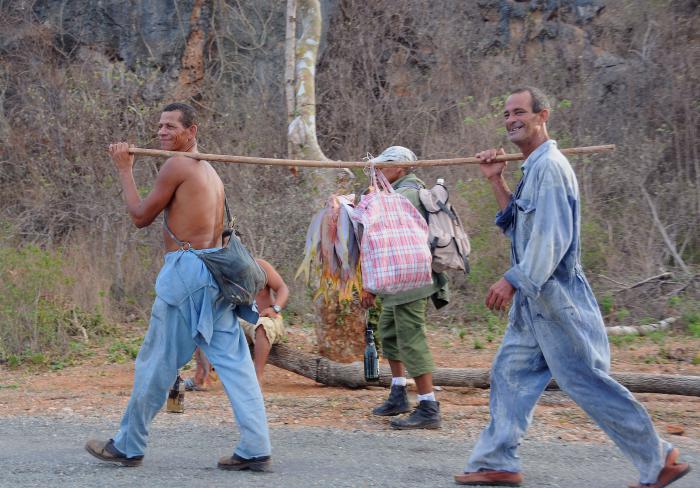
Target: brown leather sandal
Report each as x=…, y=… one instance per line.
x=489, y=478
x=672, y=471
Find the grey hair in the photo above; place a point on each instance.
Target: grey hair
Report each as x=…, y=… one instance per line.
x=539, y=99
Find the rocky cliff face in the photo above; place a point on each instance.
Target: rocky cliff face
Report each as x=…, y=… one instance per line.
x=173, y=36
x=138, y=32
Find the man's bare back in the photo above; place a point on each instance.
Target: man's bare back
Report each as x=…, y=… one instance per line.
x=196, y=211
x=189, y=191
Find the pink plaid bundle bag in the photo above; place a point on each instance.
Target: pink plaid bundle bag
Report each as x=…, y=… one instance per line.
x=394, y=251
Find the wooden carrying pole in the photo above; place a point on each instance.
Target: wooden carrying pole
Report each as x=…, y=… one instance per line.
x=225, y=158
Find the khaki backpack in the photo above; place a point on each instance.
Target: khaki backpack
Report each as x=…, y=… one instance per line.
x=449, y=243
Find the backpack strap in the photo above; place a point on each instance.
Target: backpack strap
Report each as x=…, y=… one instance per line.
x=410, y=184
x=447, y=210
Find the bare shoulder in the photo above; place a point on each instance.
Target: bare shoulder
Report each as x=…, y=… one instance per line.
x=273, y=277
x=178, y=163
x=176, y=168
x=265, y=265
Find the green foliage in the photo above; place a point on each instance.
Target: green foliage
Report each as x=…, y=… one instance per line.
x=688, y=307
x=487, y=261
x=658, y=337
x=478, y=344
x=623, y=340
x=564, y=104
x=622, y=314
x=36, y=322
x=693, y=321
x=606, y=303
x=594, y=244
x=124, y=350
x=461, y=333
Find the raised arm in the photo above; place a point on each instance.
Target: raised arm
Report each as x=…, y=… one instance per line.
x=144, y=211
x=494, y=173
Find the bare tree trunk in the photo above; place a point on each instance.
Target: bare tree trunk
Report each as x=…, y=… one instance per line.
x=302, y=128
x=662, y=230
x=289, y=57
x=327, y=372
x=340, y=334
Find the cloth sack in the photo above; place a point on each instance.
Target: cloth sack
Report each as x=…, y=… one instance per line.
x=394, y=251
x=236, y=272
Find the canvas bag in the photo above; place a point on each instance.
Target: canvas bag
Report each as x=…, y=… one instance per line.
x=448, y=240
x=233, y=267
x=394, y=252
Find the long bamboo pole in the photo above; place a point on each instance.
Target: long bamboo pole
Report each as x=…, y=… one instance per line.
x=225, y=158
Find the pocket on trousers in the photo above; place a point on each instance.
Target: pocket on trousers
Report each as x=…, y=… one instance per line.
x=554, y=305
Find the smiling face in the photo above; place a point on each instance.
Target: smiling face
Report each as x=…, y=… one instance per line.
x=173, y=135
x=525, y=127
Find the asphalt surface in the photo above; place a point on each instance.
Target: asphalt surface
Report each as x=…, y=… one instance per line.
x=49, y=452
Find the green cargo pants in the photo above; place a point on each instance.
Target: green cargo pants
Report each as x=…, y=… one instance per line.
x=401, y=329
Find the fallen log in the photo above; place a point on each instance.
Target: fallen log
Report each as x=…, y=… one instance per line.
x=327, y=372
x=645, y=329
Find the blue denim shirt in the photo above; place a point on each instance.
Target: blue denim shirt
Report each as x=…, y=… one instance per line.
x=543, y=222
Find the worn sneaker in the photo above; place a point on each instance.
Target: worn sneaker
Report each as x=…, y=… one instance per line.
x=105, y=451
x=396, y=403
x=238, y=463
x=425, y=416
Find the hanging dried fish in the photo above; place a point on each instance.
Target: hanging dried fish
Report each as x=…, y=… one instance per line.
x=332, y=251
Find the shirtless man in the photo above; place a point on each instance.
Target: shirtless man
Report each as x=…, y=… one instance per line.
x=188, y=311
x=268, y=330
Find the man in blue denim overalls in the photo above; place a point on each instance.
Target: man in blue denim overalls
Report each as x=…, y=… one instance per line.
x=555, y=327
x=188, y=310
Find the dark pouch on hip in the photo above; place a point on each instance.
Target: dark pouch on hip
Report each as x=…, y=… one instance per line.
x=233, y=267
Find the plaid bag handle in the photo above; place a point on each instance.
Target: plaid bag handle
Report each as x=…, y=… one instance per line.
x=379, y=181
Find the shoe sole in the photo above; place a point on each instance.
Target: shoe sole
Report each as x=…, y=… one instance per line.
x=129, y=463
x=666, y=477
x=486, y=483
x=391, y=414
x=258, y=467
x=416, y=427
x=667, y=482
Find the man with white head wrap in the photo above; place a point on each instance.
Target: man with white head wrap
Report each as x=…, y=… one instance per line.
x=402, y=321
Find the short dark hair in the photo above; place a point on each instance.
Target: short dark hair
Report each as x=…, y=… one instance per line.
x=539, y=99
x=188, y=116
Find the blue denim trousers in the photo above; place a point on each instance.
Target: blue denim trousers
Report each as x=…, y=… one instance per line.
x=577, y=356
x=188, y=309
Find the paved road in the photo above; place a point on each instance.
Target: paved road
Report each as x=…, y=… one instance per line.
x=45, y=452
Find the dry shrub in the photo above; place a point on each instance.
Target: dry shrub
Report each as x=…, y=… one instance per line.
x=432, y=76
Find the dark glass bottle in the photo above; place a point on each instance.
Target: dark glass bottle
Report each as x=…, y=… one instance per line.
x=176, y=397
x=371, y=357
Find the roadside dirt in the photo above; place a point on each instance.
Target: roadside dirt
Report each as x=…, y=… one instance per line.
x=98, y=389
